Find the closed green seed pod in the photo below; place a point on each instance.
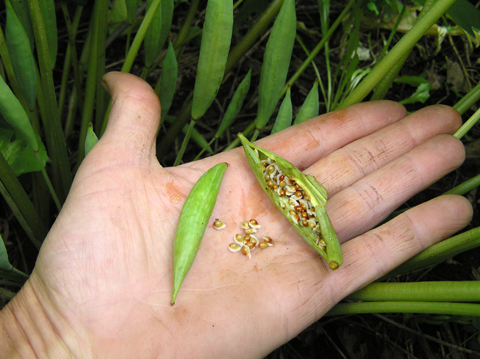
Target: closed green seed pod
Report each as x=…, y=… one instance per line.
x=216, y=39
x=193, y=221
x=301, y=194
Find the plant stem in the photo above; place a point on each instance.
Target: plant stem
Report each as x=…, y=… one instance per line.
x=137, y=41
x=439, y=252
x=99, y=16
x=183, y=33
x=467, y=309
x=468, y=291
x=62, y=175
x=253, y=34
x=467, y=125
x=242, y=47
x=49, y=185
x=205, y=148
x=317, y=48
x=236, y=141
x=407, y=42
x=20, y=204
x=466, y=186
x=184, y=143
x=468, y=100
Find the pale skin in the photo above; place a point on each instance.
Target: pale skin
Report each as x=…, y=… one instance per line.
x=102, y=283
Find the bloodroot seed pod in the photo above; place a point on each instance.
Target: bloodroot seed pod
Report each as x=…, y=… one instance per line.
x=317, y=229
x=193, y=221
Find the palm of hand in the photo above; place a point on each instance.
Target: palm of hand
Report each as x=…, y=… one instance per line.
x=106, y=266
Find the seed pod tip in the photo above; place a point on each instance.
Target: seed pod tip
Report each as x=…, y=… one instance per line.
x=334, y=265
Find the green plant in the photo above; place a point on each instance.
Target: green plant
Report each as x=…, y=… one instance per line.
x=44, y=113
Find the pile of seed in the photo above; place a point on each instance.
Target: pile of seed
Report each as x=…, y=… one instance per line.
x=247, y=241
x=293, y=199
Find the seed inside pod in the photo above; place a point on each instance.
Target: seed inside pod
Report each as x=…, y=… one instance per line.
x=301, y=198
x=296, y=201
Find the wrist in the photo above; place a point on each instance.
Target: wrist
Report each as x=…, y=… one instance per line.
x=30, y=329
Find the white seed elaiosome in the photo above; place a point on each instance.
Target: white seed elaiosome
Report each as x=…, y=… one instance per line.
x=293, y=198
x=246, y=251
x=254, y=224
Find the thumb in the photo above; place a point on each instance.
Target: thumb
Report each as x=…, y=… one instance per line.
x=134, y=118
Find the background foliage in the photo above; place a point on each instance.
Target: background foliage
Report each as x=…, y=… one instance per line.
x=319, y=56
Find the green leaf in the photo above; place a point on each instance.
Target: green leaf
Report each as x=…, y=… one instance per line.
x=14, y=114
x=91, y=139
x=310, y=107
x=411, y=80
x=235, y=105
x=118, y=12
x=216, y=40
x=165, y=88
x=465, y=15
x=372, y=7
x=22, y=58
x=151, y=43
x=131, y=6
x=4, y=263
x=21, y=10
x=276, y=62
x=19, y=156
x=7, y=271
x=285, y=114
x=49, y=17
x=421, y=95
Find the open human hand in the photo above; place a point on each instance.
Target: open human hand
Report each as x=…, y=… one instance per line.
x=102, y=283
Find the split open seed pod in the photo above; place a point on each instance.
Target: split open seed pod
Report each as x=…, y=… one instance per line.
x=301, y=198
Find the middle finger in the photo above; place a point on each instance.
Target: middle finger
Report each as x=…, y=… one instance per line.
x=359, y=158
x=368, y=201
